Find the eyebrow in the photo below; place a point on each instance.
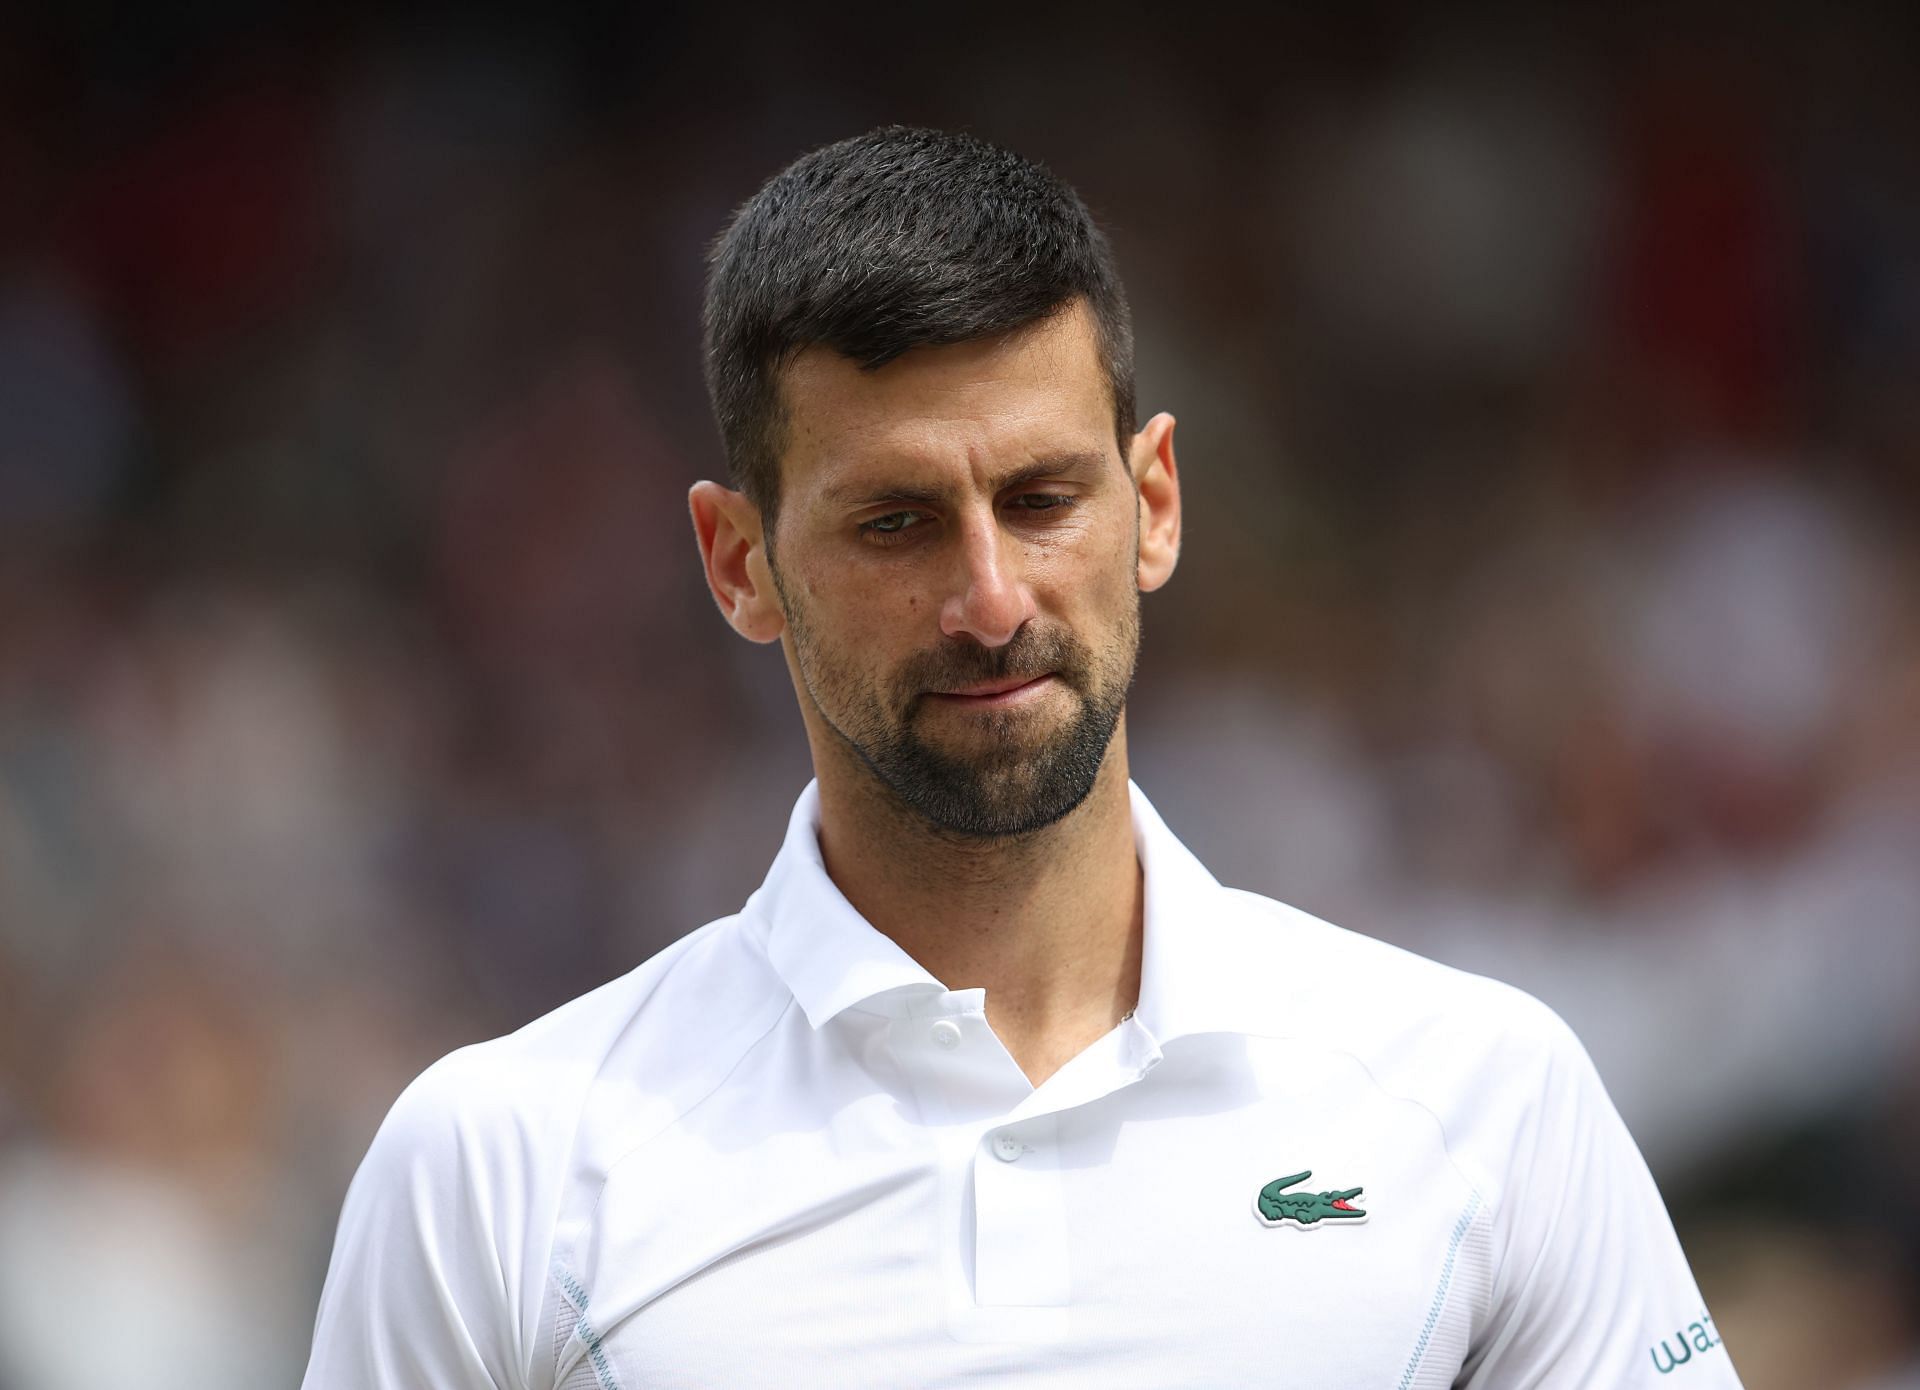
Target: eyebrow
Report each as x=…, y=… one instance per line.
x=1054, y=465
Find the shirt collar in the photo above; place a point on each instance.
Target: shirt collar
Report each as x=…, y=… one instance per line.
x=1195, y=976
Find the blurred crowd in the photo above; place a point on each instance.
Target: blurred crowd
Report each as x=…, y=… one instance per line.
x=1549, y=401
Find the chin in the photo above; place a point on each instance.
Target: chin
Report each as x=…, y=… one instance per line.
x=1010, y=799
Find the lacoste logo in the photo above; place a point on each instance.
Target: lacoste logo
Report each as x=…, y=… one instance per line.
x=1305, y=1209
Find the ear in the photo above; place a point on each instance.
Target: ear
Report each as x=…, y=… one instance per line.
x=734, y=553
x=1156, y=480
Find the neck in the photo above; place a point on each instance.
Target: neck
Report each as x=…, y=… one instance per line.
x=1049, y=924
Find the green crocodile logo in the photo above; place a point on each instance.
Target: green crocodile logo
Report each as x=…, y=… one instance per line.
x=1305, y=1209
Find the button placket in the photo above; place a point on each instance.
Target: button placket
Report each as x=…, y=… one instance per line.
x=1021, y=1245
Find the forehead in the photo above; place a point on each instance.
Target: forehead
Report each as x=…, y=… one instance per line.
x=1039, y=390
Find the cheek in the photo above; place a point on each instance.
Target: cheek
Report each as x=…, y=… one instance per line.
x=855, y=628
x=1108, y=574
x=1081, y=559
x=864, y=603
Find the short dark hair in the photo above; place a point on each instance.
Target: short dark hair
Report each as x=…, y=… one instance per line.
x=896, y=239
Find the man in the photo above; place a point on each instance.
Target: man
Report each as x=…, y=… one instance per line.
x=990, y=1078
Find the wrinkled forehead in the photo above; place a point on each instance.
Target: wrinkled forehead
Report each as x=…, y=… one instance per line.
x=1039, y=391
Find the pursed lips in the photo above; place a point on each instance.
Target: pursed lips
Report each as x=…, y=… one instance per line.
x=998, y=692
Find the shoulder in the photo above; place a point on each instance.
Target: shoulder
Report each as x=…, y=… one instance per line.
x=1488, y=1060
x=443, y=1253
x=509, y=1112
x=1366, y=988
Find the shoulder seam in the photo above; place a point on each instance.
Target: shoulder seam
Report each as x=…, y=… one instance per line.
x=1486, y=1201
x=1481, y=1206
x=694, y=1104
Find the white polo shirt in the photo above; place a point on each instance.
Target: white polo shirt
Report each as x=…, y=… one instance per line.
x=780, y=1153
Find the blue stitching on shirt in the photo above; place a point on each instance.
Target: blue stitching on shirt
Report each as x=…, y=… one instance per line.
x=1440, y=1294
x=584, y=1329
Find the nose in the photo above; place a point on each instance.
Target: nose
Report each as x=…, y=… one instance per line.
x=990, y=600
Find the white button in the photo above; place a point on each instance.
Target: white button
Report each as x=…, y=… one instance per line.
x=946, y=1034
x=1007, y=1147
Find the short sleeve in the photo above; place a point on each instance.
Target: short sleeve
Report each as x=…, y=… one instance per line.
x=1591, y=1285
x=422, y=1288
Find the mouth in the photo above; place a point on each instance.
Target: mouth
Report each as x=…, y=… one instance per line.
x=999, y=694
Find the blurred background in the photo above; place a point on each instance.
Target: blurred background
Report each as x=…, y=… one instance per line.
x=1549, y=398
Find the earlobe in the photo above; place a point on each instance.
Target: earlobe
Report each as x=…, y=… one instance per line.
x=732, y=544
x=1157, y=483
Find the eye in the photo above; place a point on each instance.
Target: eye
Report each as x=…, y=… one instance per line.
x=888, y=529
x=1043, y=502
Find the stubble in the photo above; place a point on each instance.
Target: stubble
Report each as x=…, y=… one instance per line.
x=1016, y=771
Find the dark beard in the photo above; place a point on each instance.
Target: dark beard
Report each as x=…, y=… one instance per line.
x=1014, y=788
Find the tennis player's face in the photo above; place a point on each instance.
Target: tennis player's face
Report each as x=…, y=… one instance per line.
x=956, y=559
